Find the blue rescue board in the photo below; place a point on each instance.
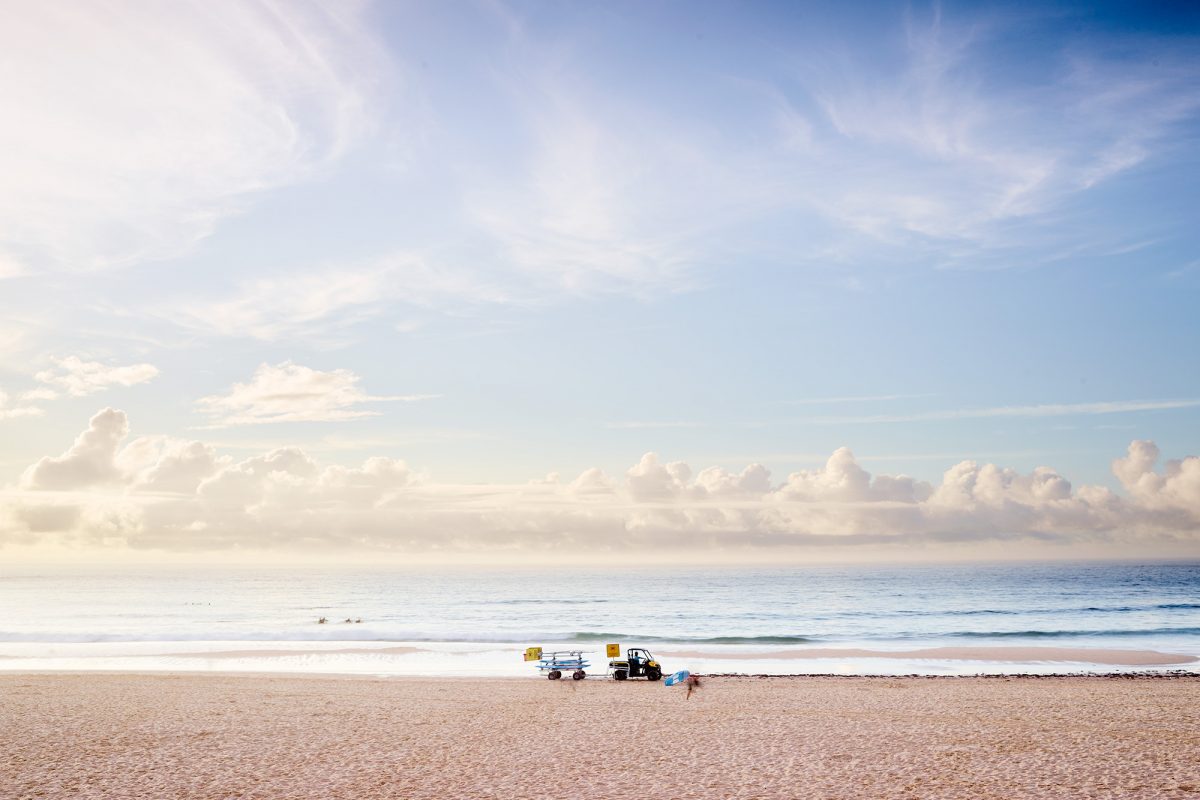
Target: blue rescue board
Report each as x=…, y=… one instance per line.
x=677, y=678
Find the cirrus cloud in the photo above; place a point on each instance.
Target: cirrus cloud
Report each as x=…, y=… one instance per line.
x=133, y=128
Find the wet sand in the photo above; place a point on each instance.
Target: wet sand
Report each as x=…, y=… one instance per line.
x=1012, y=655
x=236, y=736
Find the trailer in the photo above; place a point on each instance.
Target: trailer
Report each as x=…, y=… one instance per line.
x=556, y=663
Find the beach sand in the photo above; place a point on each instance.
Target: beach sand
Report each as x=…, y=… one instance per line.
x=237, y=736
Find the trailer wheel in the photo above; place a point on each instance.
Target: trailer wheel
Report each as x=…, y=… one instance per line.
x=554, y=675
x=620, y=674
x=578, y=675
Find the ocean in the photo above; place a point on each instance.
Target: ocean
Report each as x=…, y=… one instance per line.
x=464, y=622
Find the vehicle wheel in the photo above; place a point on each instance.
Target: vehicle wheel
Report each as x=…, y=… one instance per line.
x=578, y=675
x=654, y=675
x=554, y=675
x=620, y=674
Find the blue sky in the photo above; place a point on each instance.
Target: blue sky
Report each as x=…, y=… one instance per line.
x=494, y=241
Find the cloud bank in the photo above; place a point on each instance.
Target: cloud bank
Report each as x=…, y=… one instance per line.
x=160, y=493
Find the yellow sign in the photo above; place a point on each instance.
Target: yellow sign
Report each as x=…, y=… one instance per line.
x=533, y=653
x=614, y=650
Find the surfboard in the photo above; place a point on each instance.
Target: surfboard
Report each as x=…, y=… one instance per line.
x=678, y=677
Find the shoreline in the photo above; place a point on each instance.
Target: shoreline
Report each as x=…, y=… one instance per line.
x=995, y=654
x=500, y=659
x=594, y=678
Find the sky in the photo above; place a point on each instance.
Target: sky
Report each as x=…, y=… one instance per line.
x=643, y=282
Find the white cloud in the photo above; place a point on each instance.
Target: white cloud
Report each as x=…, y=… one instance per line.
x=324, y=303
x=280, y=477
x=132, y=129
x=40, y=393
x=289, y=392
x=916, y=150
x=165, y=464
x=1176, y=489
x=8, y=411
x=90, y=460
x=375, y=483
x=605, y=190
x=932, y=150
x=81, y=378
x=78, y=378
x=577, y=218
x=907, y=151
x=650, y=479
x=161, y=493
x=755, y=479
x=843, y=480
x=593, y=481
x=275, y=308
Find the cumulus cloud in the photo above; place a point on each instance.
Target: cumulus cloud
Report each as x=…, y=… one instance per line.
x=290, y=392
x=164, y=493
x=80, y=378
x=132, y=129
x=843, y=480
x=89, y=461
x=715, y=481
x=593, y=481
x=1177, y=488
x=48, y=518
x=374, y=483
x=650, y=479
x=278, y=477
x=166, y=464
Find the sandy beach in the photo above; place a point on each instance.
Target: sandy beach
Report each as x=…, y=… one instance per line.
x=236, y=736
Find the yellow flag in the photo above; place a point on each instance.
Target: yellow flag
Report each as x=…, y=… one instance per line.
x=614, y=650
x=533, y=653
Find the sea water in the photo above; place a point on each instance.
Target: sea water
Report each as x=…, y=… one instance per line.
x=478, y=621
